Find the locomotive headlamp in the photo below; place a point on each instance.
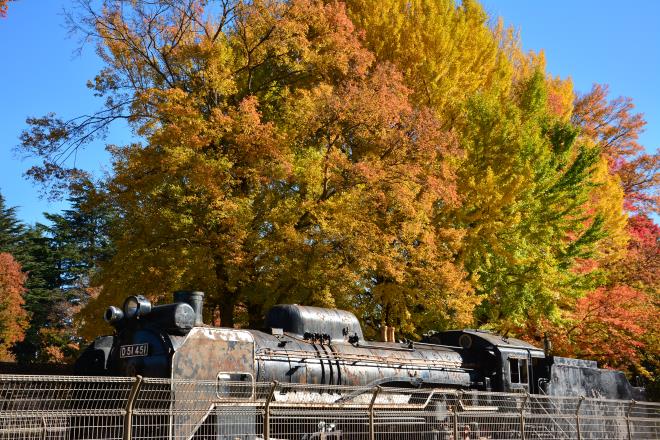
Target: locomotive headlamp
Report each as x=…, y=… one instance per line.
x=136, y=306
x=113, y=315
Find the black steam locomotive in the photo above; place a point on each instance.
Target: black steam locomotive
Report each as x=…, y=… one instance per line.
x=311, y=345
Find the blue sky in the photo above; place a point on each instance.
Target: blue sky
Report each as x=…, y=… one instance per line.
x=603, y=41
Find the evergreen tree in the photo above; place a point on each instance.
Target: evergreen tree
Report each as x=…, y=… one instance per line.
x=57, y=261
x=40, y=262
x=11, y=229
x=61, y=259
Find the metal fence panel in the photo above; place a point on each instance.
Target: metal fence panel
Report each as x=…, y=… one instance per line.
x=68, y=407
x=63, y=407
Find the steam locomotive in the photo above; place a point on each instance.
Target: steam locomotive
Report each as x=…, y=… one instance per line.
x=311, y=345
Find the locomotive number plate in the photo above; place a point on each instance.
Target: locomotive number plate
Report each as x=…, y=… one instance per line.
x=126, y=351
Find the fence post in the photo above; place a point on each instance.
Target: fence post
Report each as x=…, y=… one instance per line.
x=271, y=394
x=522, y=416
x=459, y=396
x=44, y=428
x=372, y=428
x=128, y=417
x=577, y=418
x=632, y=403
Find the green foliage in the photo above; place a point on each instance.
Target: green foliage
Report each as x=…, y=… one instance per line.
x=525, y=183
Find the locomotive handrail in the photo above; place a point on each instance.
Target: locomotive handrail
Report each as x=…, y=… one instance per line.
x=378, y=347
x=427, y=344
x=304, y=355
x=555, y=424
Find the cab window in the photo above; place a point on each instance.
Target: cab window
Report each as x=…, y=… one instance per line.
x=235, y=385
x=518, y=369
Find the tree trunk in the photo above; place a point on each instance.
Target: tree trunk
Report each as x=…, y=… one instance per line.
x=255, y=315
x=226, y=299
x=226, y=303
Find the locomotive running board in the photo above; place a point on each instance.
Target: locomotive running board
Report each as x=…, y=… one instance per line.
x=478, y=408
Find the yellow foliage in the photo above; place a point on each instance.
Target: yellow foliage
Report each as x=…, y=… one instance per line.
x=445, y=51
x=607, y=200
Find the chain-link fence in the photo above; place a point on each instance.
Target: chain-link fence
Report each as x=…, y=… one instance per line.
x=68, y=407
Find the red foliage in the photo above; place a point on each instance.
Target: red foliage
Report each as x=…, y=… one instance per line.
x=617, y=324
x=641, y=267
x=13, y=318
x=643, y=231
x=608, y=326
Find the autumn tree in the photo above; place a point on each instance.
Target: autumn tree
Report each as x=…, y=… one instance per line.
x=607, y=325
x=624, y=305
x=640, y=270
x=613, y=126
x=279, y=163
x=13, y=318
x=615, y=323
x=609, y=123
x=526, y=183
x=4, y=5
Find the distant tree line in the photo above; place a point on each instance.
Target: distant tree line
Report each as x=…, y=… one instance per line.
x=45, y=273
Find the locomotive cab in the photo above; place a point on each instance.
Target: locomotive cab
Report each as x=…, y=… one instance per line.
x=506, y=364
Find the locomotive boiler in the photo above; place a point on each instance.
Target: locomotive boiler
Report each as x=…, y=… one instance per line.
x=312, y=345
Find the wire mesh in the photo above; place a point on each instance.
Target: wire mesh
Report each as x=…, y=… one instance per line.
x=62, y=407
x=67, y=407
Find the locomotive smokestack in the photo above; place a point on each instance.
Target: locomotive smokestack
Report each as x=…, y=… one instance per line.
x=193, y=298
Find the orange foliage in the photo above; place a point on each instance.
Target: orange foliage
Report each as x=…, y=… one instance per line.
x=13, y=318
x=608, y=326
x=640, y=180
x=615, y=128
x=610, y=123
x=3, y=8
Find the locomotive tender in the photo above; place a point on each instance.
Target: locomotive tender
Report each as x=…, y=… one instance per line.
x=311, y=345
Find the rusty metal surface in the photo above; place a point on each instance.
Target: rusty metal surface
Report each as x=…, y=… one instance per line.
x=207, y=351
x=287, y=358
x=339, y=325
x=205, y=354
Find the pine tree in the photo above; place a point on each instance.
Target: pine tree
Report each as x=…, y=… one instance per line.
x=61, y=258
x=11, y=228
